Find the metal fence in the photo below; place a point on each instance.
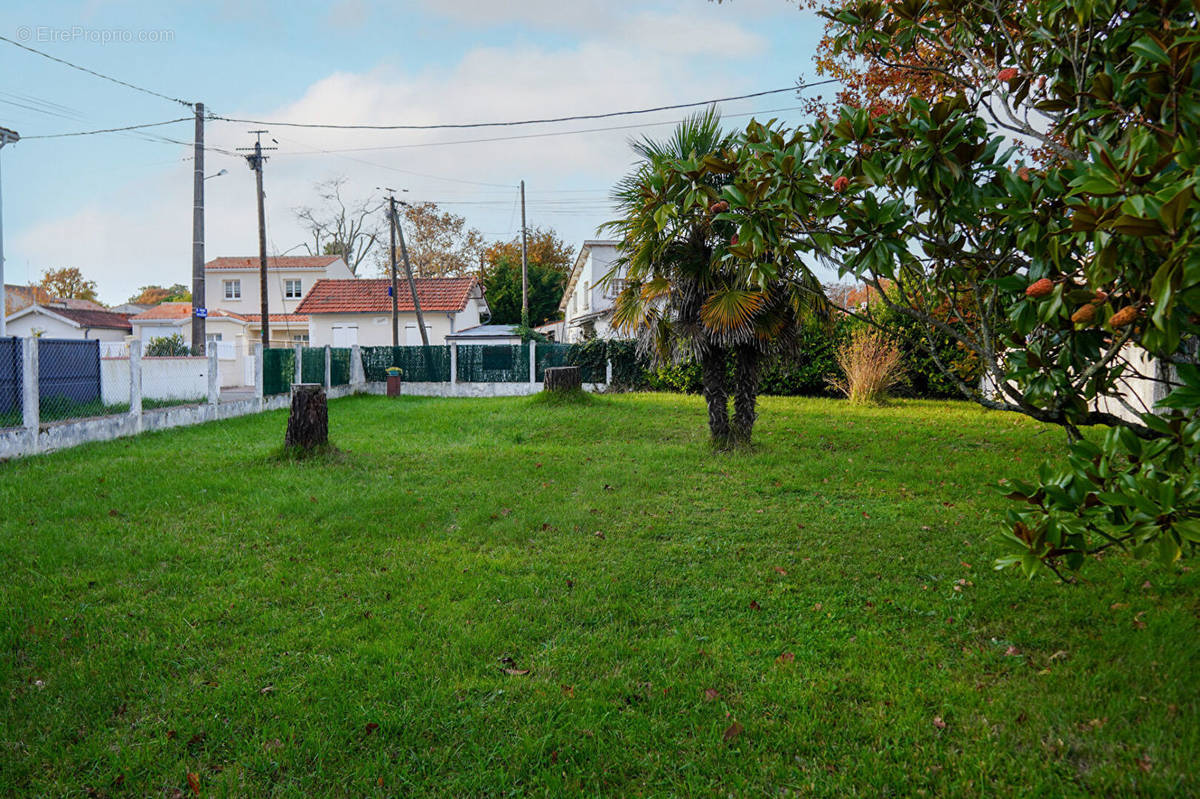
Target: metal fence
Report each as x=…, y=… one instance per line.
x=69, y=380
x=11, y=410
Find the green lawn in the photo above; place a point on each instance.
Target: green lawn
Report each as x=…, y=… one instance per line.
x=500, y=597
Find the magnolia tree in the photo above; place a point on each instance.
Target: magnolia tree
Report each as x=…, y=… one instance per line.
x=1035, y=200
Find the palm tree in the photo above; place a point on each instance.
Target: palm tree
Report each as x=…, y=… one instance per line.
x=688, y=294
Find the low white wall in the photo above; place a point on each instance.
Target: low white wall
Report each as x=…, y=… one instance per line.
x=162, y=379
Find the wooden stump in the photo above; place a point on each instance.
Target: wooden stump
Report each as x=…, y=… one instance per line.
x=308, y=423
x=564, y=378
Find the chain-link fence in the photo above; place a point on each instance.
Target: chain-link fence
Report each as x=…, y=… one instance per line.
x=11, y=394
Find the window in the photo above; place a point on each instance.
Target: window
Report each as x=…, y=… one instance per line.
x=212, y=336
x=233, y=289
x=616, y=286
x=587, y=300
x=292, y=290
x=300, y=338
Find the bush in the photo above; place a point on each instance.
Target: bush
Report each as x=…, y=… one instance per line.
x=171, y=346
x=871, y=365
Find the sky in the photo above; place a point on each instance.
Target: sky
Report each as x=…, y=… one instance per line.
x=119, y=206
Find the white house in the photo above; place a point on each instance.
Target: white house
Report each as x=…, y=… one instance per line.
x=56, y=320
x=233, y=284
x=587, y=302
x=230, y=333
x=343, y=313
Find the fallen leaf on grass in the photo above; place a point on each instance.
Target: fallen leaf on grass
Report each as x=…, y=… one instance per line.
x=1118, y=606
x=517, y=672
x=599, y=534
x=266, y=689
x=734, y=730
x=193, y=780
x=1144, y=764
x=786, y=657
x=1012, y=652
x=568, y=690
x=781, y=570
x=754, y=605
x=370, y=728
x=272, y=745
x=937, y=722
x=711, y=695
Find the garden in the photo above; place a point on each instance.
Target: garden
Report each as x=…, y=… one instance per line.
x=512, y=597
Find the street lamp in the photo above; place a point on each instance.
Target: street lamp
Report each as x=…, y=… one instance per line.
x=6, y=136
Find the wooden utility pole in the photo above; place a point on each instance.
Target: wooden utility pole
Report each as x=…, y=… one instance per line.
x=412, y=284
x=199, y=303
x=395, y=283
x=6, y=137
x=255, y=160
x=524, y=263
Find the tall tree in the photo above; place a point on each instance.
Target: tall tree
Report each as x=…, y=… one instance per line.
x=502, y=287
x=440, y=243
x=350, y=229
x=153, y=295
x=69, y=283
x=543, y=247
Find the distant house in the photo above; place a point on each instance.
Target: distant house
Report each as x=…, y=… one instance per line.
x=343, y=313
x=233, y=284
x=60, y=320
x=226, y=332
x=587, y=303
x=19, y=297
x=485, y=334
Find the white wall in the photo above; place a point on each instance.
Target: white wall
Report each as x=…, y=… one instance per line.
x=375, y=330
x=162, y=379
x=51, y=327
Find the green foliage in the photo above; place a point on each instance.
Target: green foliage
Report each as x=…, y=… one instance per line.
x=502, y=287
x=172, y=346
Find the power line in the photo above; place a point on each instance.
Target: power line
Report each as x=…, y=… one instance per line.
x=109, y=130
x=96, y=74
x=523, y=121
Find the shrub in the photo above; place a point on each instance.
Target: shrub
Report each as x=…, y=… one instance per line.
x=871, y=365
x=171, y=346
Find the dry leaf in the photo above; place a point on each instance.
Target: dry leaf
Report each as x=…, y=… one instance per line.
x=754, y=605
x=786, y=657
x=1011, y=652
x=272, y=745
x=517, y=672
x=193, y=780
x=568, y=690
x=1144, y=763
x=267, y=689
x=598, y=534
x=711, y=695
x=734, y=730
x=781, y=570
x=370, y=728
x=937, y=722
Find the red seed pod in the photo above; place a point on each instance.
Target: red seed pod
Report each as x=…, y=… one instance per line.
x=1039, y=289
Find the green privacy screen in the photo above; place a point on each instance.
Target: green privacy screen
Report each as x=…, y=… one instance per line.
x=493, y=363
x=279, y=367
x=417, y=364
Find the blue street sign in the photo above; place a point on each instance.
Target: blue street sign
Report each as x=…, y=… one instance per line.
x=201, y=313
x=389, y=291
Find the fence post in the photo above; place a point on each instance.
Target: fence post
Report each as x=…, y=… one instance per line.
x=357, y=376
x=532, y=362
x=454, y=363
x=30, y=396
x=299, y=376
x=608, y=371
x=135, y=384
x=214, y=375
x=328, y=368
x=258, y=374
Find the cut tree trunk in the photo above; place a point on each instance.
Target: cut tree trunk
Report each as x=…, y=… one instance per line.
x=308, y=423
x=563, y=378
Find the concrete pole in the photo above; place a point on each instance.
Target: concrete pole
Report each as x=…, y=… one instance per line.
x=454, y=363
x=135, y=384
x=258, y=374
x=328, y=368
x=357, y=376
x=6, y=136
x=214, y=376
x=30, y=396
x=299, y=376
x=532, y=362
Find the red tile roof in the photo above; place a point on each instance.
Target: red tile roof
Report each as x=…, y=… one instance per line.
x=277, y=318
x=180, y=310
x=278, y=262
x=371, y=296
x=89, y=318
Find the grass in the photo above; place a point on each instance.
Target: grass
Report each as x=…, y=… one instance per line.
x=501, y=597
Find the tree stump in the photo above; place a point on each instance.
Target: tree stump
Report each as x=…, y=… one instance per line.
x=563, y=379
x=308, y=423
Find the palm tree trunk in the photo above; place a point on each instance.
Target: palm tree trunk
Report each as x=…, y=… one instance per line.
x=712, y=377
x=745, y=393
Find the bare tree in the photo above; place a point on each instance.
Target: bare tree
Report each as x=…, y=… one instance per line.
x=337, y=227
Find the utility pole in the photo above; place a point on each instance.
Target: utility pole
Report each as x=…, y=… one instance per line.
x=199, y=301
x=255, y=160
x=6, y=136
x=412, y=285
x=524, y=263
x=395, y=286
